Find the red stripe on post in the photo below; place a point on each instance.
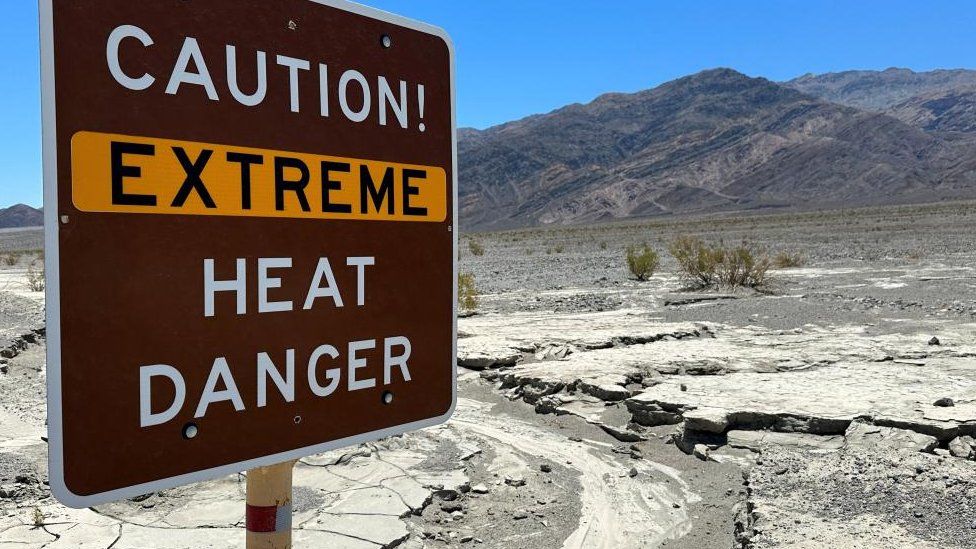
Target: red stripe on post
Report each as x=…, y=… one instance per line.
x=261, y=518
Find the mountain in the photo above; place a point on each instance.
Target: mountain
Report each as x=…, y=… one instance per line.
x=952, y=110
x=880, y=90
x=717, y=140
x=21, y=215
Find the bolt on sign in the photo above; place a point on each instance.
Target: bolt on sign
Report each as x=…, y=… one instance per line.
x=250, y=210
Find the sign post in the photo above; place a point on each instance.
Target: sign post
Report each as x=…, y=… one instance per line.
x=269, y=508
x=250, y=237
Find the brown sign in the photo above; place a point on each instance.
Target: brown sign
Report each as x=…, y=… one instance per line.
x=250, y=211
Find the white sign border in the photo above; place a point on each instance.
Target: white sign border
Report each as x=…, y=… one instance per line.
x=53, y=303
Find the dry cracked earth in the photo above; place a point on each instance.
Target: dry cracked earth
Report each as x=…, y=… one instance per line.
x=837, y=409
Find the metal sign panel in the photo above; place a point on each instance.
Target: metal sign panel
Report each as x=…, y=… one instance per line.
x=250, y=247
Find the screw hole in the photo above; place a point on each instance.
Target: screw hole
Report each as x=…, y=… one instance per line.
x=387, y=397
x=298, y=419
x=386, y=41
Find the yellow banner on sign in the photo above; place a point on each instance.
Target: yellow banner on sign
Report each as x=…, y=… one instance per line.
x=118, y=173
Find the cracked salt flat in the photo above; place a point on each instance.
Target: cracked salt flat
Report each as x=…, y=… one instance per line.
x=617, y=511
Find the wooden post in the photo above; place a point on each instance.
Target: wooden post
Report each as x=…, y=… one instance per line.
x=269, y=506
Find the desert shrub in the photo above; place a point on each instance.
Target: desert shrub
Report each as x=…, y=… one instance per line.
x=476, y=248
x=697, y=262
x=35, y=278
x=788, y=260
x=557, y=249
x=603, y=245
x=467, y=293
x=743, y=266
x=642, y=261
x=703, y=265
x=11, y=259
x=37, y=516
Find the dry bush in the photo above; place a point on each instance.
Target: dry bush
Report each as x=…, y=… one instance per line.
x=11, y=259
x=642, y=261
x=476, y=248
x=467, y=293
x=37, y=516
x=743, y=266
x=789, y=260
x=697, y=262
x=35, y=278
x=705, y=266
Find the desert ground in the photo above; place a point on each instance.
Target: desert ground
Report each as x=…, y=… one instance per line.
x=835, y=408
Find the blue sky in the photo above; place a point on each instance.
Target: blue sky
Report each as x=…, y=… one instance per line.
x=520, y=57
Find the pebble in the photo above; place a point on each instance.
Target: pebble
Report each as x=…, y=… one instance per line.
x=545, y=468
x=479, y=489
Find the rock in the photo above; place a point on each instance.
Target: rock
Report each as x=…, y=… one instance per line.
x=605, y=391
x=457, y=515
x=479, y=489
x=622, y=434
x=520, y=515
x=632, y=473
x=963, y=447
x=864, y=435
x=447, y=494
x=944, y=402
x=935, y=341
x=754, y=440
x=487, y=358
x=545, y=468
x=700, y=451
x=709, y=420
x=515, y=481
x=575, y=439
x=25, y=479
x=451, y=506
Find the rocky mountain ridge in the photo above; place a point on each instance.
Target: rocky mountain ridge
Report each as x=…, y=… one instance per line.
x=21, y=215
x=714, y=141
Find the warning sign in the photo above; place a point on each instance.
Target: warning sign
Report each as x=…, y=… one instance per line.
x=250, y=235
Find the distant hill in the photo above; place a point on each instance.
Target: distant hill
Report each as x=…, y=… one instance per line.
x=947, y=111
x=717, y=140
x=880, y=90
x=21, y=215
